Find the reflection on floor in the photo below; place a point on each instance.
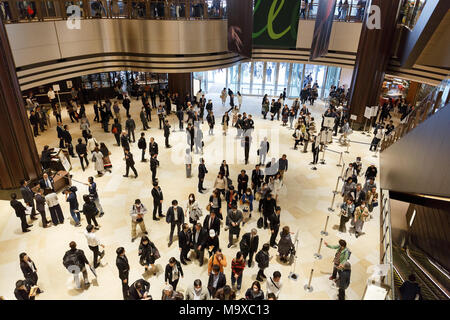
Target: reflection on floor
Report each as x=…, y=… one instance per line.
x=304, y=202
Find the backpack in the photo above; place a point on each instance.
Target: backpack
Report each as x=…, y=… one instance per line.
x=141, y=144
x=258, y=257
x=71, y=259
x=260, y=223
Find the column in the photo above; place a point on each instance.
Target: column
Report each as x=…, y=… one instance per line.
x=374, y=51
x=19, y=158
x=181, y=83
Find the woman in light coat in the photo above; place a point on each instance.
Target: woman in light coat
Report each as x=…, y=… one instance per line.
x=91, y=143
x=223, y=96
x=192, y=210
x=97, y=157
x=361, y=216
x=239, y=97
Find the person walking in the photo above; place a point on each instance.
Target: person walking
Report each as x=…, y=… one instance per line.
x=346, y=213
x=154, y=164
x=94, y=244
x=148, y=254
x=254, y=292
x=210, y=118
x=410, y=289
x=234, y=219
x=216, y=281
x=262, y=258
x=90, y=211
x=361, y=215
x=202, y=171
x=188, y=163
x=129, y=162
x=116, y=130
x=142, y=144
x=81, y=150
x=167, y=133
x=71, y=198
x=274, y=284
x=199, y=238
x=196, y=292
x=174, y=216
x=185, y=243
x=93, y=194
x=263, y=150
x=97, y=158
x=75, y=262
x=158, y=199
x=285, y=245
x=40, y=206
x=274, y=220
x=341, y=256
x=237, y=270
x=29, y=270
x=173, y=273
x=124, y=271
x=130, y=126
x=138, y=210
x=249, y=245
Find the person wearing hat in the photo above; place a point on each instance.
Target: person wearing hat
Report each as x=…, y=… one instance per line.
x=212, y=243
x=343, y=280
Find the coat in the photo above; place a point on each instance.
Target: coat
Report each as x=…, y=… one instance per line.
x=123, y=267
x=215, y=224
x=213, y=260
x=27, y=194
x=222, y=281
x=262, y=258
x=170, y=215
x=18, y=207
x=285, y=244
x=190, y=294
x=98, y=156
x=247, y=245
x=168, y=276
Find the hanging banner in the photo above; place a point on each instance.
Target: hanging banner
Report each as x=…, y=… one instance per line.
x=322, y=29
x=240, y=26
x=275, y=23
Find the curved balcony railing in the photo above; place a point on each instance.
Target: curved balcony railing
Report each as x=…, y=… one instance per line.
x=350, y=11
x=14, y=11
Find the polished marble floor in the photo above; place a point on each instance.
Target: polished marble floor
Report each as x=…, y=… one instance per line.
x=304, y=202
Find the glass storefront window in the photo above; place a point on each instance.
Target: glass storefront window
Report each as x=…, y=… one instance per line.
x=258, y=78
x=333, y=75
x=270, y=78
x=283, y=77
x=245, y=77
x=296, y=79
x=233, y=78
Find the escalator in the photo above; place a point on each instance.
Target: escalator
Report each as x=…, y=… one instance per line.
x=403, y=266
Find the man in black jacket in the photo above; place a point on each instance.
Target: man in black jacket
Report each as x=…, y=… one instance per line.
x=185, y=243
x=154, y=163
x=216, y=280
x=82, y=153
x=211, y=222
x=126, y=104
x=130, y=125
x=34, y=121
x=249, y=245
x=68, y=140
x=129, y=163
x=257, y=178
x=242, y=183
x=139, y=290
x=153, y=147
x=262, y=258
x=20, y=212
x=142, y=144
x=157, y=200
x=75, y=262
x=234, y=219
x=174, y=216
x=125, y=140
x=202, y=171
x=167, y=133
x=268, y=208
x=199, y=237
x=274, y=226
x=124, y=270
x=23, y=290
x=28, y=197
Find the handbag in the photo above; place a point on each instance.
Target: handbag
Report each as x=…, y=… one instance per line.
x=156, y=255
x=260, y=222
x=257, y=152
x=208, y=207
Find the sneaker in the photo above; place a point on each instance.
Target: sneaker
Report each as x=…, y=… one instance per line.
x=155, y=218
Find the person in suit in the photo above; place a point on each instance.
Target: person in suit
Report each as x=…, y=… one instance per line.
x=81, y=150
x=268, y=208
x=358, y=195
x=29, y=270
x=154, y=163
x=216, y=281
x=167, y=133
x=34, y=121
x=92, y=188
x=116, y=129
x=68, y=140
x=59, y=131
x=174, y=216
x=262, y=258
x=212, y=243
x=157, y=201
x=153, y=147
x=274, y=220
x=130, y=126
x=199, y=237
x=28, y=197
x=202, y=171
x=126, y=104
x=129, y=162
x=212, y=222
x=23, y=290
x=124, y=270
x=125, y=140
x=234, y=218
x=242, y=182
x=19, y=208
x=142, y=144
x=143, y=118
x=185, y=243
x=249, y=245
x=40, y=207
x=173, y=273
x=257, y=178
x=47, y=182
x=139, y=290
x=224, y=170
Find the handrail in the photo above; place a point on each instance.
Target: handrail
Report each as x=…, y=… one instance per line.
x=353, y=13
x=16, y=11
x=434, y=102
x=386, y=241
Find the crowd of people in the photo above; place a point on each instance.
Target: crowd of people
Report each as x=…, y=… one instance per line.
x=231, y=204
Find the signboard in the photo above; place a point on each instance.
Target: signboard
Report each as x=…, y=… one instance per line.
x=328, y=122
x=275, y=23
x=69, y=84
x=374, y=111
x=56, y=87
x=374, y=292
x=368, y=113
x=240, y=26
x=322, y=28
x=353, y=117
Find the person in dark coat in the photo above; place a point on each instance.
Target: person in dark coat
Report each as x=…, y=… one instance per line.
x=130, y=126
x=254, y=292
x=212, y=243
x=154, y=164
x=268, y=208
x=343, y=280
x=40, y=206
x=142, y=144
x=126, y=104
x=174, y=216
x=216, y=281
x=157, y=201
x=212, y=222
x=34, y=121
x=29, y=270
x=410, y=289
x=28, y=197
x=81, y=150
x=124, y=270
x=285, y=245
x=199, y=237
x=19, y=208
x=129, y=162
x=185, y=243
x=139, y=290
x=167, y=133
x=274, y=220
x=23, y=290
x=202, y=171
x=262, y=258
x=249, y=245
x=173, y=273
x=148, y=254
x=90, y=210
x=116, y=129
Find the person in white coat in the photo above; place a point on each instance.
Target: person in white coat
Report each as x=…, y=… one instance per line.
x=239, y=96
x=97, y=158
x=188, y=162
x=91, y=143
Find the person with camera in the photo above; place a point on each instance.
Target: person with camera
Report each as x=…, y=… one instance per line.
x=75, y=262
x=71, y=198
x=138, y=210
x=139, y=290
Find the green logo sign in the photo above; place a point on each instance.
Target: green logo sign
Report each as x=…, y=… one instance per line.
x=275, y=23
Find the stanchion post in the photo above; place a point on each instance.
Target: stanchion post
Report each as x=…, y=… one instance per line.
x=348, y=146
x=332, y=203
x=340, y=159
x=324, y=231
x=337, y=184
x=342, y=172
x=318, y=255
x=307, y=286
